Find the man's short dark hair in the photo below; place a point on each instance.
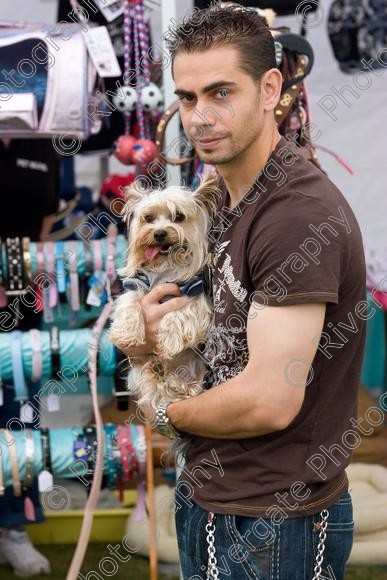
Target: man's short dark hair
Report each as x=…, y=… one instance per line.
x=222, y=24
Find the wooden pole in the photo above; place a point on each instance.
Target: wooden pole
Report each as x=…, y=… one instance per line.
x=150, y=484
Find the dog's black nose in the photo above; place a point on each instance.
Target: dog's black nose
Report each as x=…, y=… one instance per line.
x=160, y=235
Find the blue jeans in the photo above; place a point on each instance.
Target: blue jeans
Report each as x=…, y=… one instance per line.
x=257, y=548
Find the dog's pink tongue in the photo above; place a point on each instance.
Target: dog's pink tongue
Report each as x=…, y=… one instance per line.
x=152, y=252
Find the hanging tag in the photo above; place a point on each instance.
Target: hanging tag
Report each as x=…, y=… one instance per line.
x=53, y=404
x=26, y=413
x=29, y=509
x=45, y=480
x=109, y=2
x=97, y=294
x=48, y=314
x=111, y=9
x=101, y=52
x=92, y=299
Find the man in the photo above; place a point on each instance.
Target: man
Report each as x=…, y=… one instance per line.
x=273, y=433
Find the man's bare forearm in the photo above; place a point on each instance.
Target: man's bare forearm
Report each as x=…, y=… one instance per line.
x=224, y=412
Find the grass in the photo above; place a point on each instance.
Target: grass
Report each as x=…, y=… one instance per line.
x=367, y=573
x=137, y=568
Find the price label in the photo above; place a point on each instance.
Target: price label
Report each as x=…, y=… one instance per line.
x=101, y=52
x=45, y=481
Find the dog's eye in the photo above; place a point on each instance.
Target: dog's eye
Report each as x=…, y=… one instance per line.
x=179, y=217
x=148, y=218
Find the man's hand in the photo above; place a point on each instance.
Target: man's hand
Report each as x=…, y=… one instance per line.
x=153, y=311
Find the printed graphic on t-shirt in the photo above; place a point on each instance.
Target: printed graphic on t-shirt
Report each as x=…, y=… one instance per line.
x=226, y=348
x=226, y=351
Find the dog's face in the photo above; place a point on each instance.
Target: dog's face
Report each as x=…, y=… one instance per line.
x=168, y=229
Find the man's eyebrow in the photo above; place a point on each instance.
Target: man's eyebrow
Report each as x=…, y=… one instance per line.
x=207, y=89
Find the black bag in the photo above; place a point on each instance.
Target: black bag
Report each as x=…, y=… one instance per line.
x=358, y=30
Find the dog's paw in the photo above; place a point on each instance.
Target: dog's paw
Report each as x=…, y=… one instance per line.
x=127, y=328
x=175, y=335
x=124, y=341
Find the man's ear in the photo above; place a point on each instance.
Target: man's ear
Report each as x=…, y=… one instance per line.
x=132, y=197
x=208, y=193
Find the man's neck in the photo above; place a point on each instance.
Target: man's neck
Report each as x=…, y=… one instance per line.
x=241, y=173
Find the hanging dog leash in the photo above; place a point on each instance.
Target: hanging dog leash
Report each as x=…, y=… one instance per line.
x=84, y=536
x=212, y=570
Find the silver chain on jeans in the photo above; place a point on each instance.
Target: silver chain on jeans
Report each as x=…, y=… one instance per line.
x=321, y=544
x=212, y=570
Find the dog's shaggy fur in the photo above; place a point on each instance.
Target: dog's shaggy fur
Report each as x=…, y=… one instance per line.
x=181, y=218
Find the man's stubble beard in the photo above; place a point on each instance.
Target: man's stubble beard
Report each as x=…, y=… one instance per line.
x=236, y=152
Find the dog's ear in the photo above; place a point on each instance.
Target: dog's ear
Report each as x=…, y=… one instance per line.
x=208, y=193
x=132, y=197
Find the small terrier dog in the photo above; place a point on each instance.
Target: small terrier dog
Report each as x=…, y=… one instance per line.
x=168, y=242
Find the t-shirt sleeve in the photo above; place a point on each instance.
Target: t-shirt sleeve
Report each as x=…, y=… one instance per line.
x=296, y=252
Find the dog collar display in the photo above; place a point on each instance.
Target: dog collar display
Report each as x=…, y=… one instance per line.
x=111, y=242
x=2, y=488
x=39, y=258
x=128, y=455
x=55, y=349
x=3, y=295
x=45, y=478
x=111, y=471
x=60, y=269
x=27, y=258
x=12, y=450
x=29, y=510
x=74, y=280
x=88, y=260
x=36, y=347
x=192, y=287
x=21, y=391
x=120, y=382
x=97, y=250
x=15, y=271
x=139, y=442
x=29, y=462
x=88, y=271
x=90, y=439
x=1, y=262
x=80, y=447
x=50, y=269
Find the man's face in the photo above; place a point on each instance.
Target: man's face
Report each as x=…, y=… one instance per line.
x=230, y=112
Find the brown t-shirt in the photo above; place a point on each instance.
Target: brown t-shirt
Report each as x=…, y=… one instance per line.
x=293, y=239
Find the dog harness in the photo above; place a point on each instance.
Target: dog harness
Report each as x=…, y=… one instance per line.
x=142, y=281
